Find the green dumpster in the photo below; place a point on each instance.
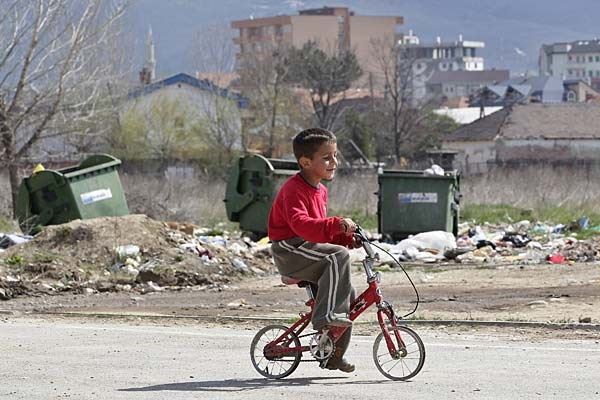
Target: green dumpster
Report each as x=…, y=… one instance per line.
x=410, y=202
x=252, y=185
x=89, y=190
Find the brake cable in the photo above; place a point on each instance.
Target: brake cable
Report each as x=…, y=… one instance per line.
x=405, y=273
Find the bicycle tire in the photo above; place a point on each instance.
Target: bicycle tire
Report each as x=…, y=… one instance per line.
x=385, y=362
x=286, y=364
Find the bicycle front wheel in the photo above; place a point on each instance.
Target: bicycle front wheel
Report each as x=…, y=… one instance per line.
x=407, y=360
x=274, y=367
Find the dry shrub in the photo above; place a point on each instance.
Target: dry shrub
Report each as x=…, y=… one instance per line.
x=354, y=192
x=535, y=186
x=197, y=200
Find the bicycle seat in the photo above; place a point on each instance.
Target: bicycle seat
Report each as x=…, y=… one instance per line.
x=288, y=280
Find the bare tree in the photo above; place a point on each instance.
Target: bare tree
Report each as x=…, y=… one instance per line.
x=275, y=108
x=213, y=56
x=404, y=109
x=52, y=71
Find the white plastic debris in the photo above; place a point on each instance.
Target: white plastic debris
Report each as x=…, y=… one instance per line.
x=435, y=170
x=239, y=264
x=127, y=251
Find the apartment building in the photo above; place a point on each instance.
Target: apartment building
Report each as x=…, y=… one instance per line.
x=333, y=28
x=572, y=60
x=453, y=55
x=451, y=68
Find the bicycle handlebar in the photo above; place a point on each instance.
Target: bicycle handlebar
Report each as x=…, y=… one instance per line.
x=360, y=233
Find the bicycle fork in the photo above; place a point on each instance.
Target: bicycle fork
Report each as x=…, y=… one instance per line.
x=395, y=344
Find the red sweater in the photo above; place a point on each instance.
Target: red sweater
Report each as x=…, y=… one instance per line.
x=300, y=210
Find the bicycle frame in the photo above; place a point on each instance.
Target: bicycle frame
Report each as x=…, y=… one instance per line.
x=371, y=295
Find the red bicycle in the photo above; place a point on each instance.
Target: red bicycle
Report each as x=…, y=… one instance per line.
x=398, y=352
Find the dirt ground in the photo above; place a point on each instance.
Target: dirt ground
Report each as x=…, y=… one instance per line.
x=541, y=293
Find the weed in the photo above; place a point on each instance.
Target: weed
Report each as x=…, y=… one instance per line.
x=63, y=232
x=178, y=258
x=15, y=260
x=44, y=258
x=6, y=225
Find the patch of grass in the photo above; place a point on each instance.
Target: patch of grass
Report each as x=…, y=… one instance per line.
x=6, y=225
x=587, y=234
x=497, y=213
x=15, y=260
x=44, y=258
x=366, y=221
x=503, y=213
x=178, y=258
x=63, y=232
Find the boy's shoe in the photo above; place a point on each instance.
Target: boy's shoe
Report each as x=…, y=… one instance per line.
x=340, y=363
x=340, y=321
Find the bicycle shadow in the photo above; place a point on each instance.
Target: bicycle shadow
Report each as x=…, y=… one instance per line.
x=236, y=385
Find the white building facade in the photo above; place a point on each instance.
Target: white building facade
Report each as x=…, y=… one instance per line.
x=572, y=60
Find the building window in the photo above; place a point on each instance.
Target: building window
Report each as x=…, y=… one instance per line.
x=590, y=73
x=570, y=72
x=578, y=59
x=590, y=59
x=571, y=96
x=597, y=58
x=570, y=58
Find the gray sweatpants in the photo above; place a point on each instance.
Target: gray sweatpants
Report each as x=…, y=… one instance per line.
x=326, y=265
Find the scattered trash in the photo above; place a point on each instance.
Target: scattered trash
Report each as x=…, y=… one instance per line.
x=435, y=170
x=516, y=239
x=556, y=258
x=239, y=264
x=127, y=251
x=11, y=239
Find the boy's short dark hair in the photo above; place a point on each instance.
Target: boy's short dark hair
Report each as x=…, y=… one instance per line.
x=307, y=142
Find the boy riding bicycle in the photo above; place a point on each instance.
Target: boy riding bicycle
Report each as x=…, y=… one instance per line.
x=310, y=246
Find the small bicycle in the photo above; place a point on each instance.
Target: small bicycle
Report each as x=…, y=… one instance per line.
x=398, y=352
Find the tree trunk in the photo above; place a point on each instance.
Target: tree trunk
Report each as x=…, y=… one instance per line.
x=13, y=176
x=8, y=145
x=271, y=148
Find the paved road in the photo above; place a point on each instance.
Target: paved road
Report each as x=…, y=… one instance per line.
x=111, y=360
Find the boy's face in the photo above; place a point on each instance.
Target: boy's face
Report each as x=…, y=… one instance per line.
x=323, y=163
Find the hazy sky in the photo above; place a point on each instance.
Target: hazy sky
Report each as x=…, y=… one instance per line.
x=512, y=30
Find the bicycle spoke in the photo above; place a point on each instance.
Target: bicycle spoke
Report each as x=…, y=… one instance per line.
x=278, y=365
x=394, y=366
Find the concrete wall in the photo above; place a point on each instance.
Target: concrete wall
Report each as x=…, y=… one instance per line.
x=563, y=150
x=362, y=30
x=478, y=157
x=472, y=157
x=322, y=28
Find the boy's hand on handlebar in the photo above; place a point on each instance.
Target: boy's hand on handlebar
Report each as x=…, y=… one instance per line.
x=347, y=226
x=356, y=242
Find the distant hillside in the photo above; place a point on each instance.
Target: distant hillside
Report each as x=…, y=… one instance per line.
x=504, y=25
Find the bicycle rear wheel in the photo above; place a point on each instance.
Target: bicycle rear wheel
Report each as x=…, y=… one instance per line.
x=408, y=358
x=274, y=367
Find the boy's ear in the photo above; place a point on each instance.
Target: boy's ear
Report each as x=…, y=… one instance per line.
x=304, y=162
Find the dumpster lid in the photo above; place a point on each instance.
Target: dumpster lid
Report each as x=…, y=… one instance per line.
x=416, y=173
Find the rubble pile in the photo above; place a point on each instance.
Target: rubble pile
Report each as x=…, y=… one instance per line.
x=130, y=253
x=523, y=242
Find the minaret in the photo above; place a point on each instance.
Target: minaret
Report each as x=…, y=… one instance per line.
x=148, y=72
x=150, y=59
